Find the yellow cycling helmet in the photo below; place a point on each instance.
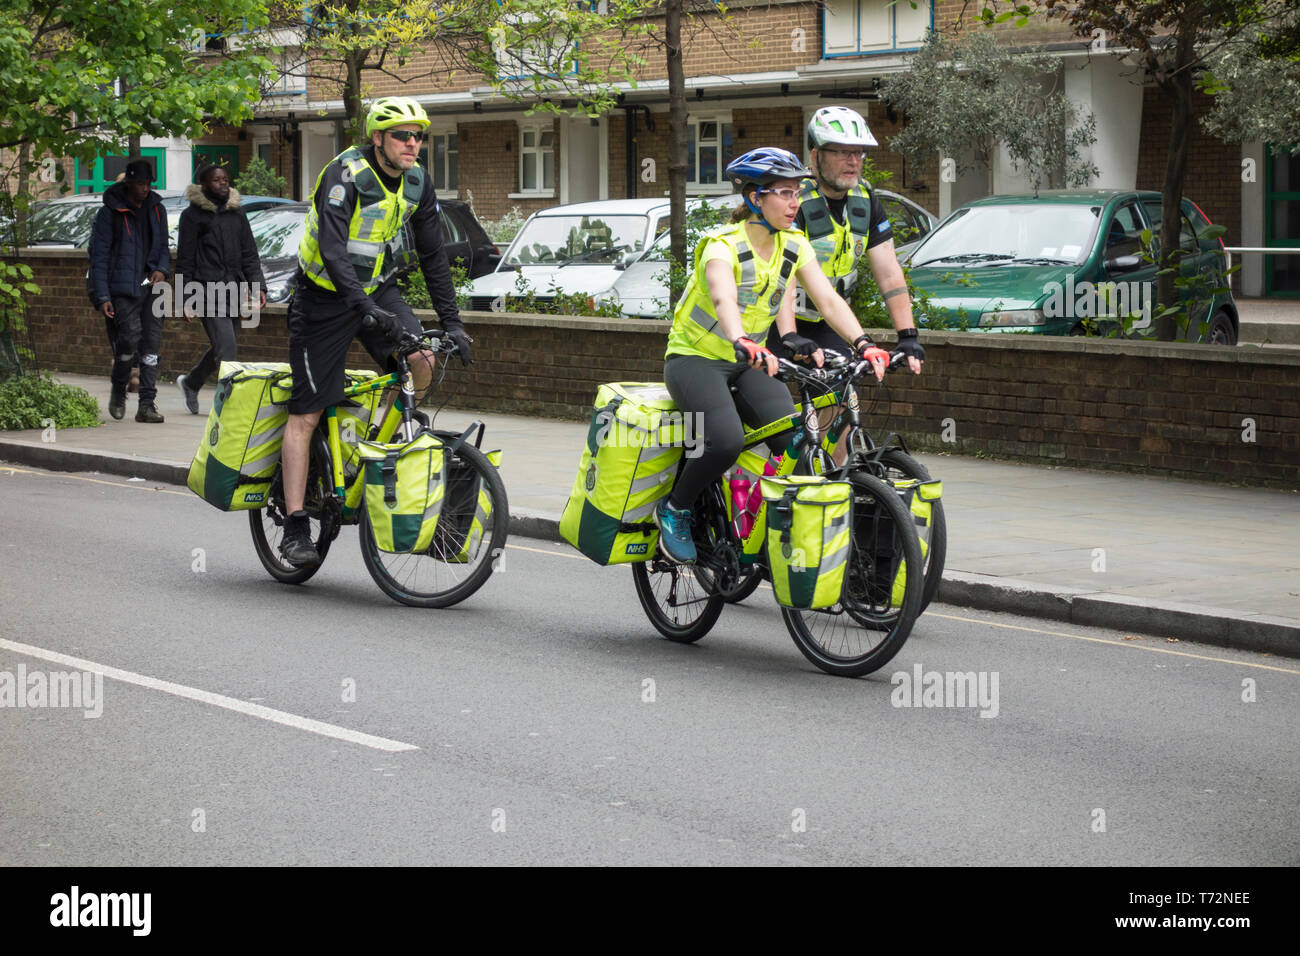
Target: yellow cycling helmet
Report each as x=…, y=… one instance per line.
x=389, y=111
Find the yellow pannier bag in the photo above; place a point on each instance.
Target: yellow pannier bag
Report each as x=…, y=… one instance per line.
x=808, y=524
x=404, y=488
x=240, y=448
x=634, y=445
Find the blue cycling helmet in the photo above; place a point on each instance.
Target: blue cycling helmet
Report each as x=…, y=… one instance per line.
x=765, y=165
x=762, y=167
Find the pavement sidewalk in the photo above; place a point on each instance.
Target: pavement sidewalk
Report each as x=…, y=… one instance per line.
x=1178, y=559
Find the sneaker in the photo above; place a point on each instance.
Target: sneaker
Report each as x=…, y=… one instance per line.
x=675, y=533
x=296, y=547
x=134, y=384
x=117, y=404
x=147, y=413
x=191, y=395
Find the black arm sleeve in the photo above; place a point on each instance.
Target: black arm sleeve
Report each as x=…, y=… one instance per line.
x=334, y=216
x=187, y=243
x=249, y=261
x=426, y=225
x=881, y=228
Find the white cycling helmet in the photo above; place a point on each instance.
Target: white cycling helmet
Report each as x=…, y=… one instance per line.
x=838, y=125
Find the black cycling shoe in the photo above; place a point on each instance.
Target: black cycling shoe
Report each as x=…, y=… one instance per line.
x=296, y=547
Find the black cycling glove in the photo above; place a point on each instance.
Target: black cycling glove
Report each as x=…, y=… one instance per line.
x=388, y=321
x=910, y=345
x=458, y=335
x=799, y=346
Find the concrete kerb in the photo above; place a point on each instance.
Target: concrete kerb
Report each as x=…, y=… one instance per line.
x=1215, y=626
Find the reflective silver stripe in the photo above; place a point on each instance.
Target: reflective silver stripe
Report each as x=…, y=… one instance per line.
x=640, y=514
x=707, y=323
x=269, y=410
x=306, y=364
x=649, y=481
x=364, y=248
x=833, y=560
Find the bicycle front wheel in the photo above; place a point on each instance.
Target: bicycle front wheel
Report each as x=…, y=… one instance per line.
x=675, y=599
x=934, y=536
x=469, y=540
x=882, y=589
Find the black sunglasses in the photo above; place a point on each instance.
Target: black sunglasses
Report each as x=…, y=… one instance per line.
x=403, y=135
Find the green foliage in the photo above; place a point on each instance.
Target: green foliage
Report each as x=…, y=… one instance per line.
x=554, y=301
x=503, y=230
x=258, y=179
x=60, y=61
x=37, y=401
x=416, y=291
x=967, y=94
x=1197, y=287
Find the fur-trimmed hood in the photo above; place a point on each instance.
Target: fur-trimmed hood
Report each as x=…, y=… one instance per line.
x=194, y=193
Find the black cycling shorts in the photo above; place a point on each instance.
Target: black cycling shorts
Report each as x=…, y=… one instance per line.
x=321, y=327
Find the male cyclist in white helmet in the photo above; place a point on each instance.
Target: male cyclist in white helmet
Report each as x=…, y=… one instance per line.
x=844, y=221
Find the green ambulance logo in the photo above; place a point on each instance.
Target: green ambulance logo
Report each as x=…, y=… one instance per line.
x=215, y=435
x=591, y=477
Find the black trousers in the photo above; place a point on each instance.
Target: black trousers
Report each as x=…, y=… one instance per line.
x=703, y=386
x=221, y=333
x=135, y=331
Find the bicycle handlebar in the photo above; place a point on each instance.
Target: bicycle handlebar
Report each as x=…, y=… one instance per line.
x=408, y=342
x=835, y=366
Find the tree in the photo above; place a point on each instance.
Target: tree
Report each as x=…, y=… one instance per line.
x=80, y=77
x=966, y=95
x=1171, y=41
x=1250, y=81
x=535, y=49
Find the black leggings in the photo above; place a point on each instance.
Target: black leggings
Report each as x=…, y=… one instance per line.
x=702, y=386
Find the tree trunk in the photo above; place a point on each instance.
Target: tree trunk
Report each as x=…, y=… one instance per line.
x=1178, y=86
x=676, y=143
x=352, y=95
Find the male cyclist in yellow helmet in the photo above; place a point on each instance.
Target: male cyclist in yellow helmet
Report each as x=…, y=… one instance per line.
x=373, y=218
x=845, y=222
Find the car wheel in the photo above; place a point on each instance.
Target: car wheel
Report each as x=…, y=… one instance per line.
x=1221, y=331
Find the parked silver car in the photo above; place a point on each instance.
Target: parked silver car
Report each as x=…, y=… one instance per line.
x=641, y=287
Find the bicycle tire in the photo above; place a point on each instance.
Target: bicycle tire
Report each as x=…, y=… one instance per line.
x=657, y=588
x=267, y=523
x=936, y=544
x=436, y=578
x=749, y=583
x=839, y=639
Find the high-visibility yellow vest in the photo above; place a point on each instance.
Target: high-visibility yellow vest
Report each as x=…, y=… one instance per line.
x=379, y=239
x=760, y=286
x=838, y=245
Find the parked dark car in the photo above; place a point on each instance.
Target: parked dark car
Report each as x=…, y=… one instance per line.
x=68, y=221
x=1064, y=262
x=278, y=232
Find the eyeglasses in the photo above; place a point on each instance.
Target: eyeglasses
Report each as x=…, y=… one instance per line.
x=404, y=135
x=786, y=194
x=845, y=153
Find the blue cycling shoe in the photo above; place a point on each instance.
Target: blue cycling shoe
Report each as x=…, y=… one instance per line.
x=675, y=533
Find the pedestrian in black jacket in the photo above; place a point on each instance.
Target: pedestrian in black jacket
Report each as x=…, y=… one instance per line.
x=128, y=256
x=215, y=250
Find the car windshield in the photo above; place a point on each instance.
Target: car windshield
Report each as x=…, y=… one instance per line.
x=599, y=240
x=1029, y=233
x=64, y=223
x=277, y=232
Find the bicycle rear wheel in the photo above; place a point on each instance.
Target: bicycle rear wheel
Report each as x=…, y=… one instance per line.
x=934, y=536
x=882, y=589
x=469, y=540
x=675, y=599
x=267, y=524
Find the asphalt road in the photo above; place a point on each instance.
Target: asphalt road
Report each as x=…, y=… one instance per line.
x=544, y=721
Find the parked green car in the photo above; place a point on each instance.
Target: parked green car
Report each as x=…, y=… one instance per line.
x=1045, y=264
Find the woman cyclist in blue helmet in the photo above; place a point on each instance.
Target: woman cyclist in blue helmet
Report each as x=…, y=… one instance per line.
x=743, y=281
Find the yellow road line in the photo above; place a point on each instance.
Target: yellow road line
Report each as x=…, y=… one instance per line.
x=143, y=486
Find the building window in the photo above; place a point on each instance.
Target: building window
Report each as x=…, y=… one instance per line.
x=852, y=27
x=440, y=160
x=290, y=74
x=709, y=147
x=536, y=159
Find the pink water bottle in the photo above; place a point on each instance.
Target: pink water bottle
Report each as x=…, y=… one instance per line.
x=740, y=505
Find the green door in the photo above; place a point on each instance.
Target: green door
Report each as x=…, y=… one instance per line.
x=1282, y=223
x=226, y=156
x=103, y=172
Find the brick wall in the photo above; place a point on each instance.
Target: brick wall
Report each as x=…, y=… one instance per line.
x=1213, y=167
x=1168, y=409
